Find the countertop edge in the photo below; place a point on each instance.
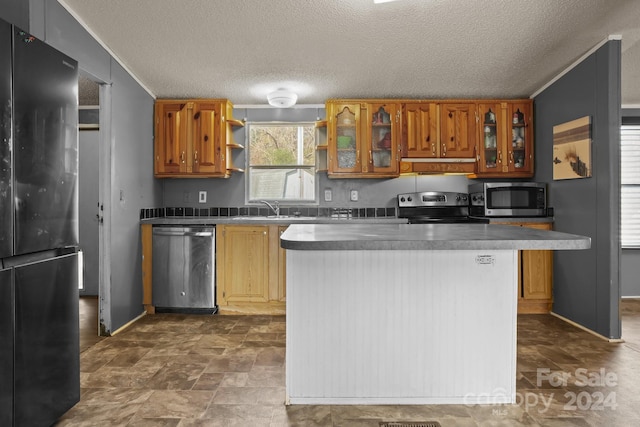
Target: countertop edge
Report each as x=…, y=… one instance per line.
x=177, y=221
x=429, y=237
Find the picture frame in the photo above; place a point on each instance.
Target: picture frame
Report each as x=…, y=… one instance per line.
x=572, y=149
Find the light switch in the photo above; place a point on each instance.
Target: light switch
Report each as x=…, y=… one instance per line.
x=202, y=197
x=327, y=195
x=353, y=195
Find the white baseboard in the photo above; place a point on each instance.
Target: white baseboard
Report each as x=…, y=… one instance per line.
x=577, y=325
x=129, y=323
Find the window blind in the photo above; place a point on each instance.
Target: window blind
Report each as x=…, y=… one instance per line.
x=630, y=186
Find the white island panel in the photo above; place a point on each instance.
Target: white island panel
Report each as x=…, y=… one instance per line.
x=401, y=326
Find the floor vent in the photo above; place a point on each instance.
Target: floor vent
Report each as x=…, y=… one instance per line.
x=410, y=424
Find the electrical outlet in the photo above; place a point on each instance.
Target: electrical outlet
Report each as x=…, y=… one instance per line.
x=353, y=195
x=202, y=197
x=327, y=195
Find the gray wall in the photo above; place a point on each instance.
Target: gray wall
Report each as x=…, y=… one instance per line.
x=586, y=283
x=88, y=190
x=231, y=191
x=15, y=12
x=131, y=132
x=133, y=187
x=630, y=258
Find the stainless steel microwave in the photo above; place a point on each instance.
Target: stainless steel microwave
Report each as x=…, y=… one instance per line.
x=508, y=199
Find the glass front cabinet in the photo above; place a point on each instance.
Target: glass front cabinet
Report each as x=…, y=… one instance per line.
x=363, y=139
x=505, y=144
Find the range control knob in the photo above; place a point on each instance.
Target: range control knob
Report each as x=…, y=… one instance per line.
x=409, y=199
x=402, y=199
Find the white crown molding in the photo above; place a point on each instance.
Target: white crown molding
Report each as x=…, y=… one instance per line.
x=576, y=63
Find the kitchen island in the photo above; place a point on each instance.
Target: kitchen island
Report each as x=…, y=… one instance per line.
x=405, y=313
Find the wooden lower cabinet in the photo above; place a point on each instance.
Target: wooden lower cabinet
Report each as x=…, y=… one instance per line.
x=536, y=275
x=146, y=236
x=250, y=273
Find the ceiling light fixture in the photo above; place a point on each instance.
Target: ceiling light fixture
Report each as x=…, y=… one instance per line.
x=282, y=98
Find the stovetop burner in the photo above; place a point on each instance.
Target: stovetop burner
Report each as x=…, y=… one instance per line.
x=435, y=207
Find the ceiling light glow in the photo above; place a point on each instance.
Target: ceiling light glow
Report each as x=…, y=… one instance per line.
x=282, y=98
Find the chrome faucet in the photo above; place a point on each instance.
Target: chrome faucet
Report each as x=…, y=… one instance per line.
x=275, y=207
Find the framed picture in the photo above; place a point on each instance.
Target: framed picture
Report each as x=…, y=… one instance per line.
x=572, y=149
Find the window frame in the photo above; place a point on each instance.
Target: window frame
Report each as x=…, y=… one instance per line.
x=249, y=168
x=633, y=237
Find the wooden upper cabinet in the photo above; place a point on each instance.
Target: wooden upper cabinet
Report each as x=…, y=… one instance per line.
x=458, y=130
x=505, y=144
x=363, y=138
x=345, y=138
x=208, y=156
x=170, y=139
x=420, y=133
x=382, y=130
x=492, y=148
x=193, y=138
x=520, y=150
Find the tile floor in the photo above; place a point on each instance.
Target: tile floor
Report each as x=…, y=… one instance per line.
x=189, y=370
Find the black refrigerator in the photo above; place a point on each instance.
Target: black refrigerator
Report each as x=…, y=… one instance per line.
x=39, y=258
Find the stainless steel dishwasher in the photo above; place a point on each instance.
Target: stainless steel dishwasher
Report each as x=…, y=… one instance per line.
x=183, y=270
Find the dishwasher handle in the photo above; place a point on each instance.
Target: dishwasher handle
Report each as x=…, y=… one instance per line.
x=181, y=232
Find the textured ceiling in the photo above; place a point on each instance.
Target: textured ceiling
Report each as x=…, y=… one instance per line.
x=244, y=49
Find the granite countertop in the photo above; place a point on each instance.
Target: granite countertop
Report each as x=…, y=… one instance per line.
x=426, y=237
x=261, y=220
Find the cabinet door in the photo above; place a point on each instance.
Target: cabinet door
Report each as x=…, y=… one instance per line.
x=520, y=144
x=344, y=138
x=382, y=125
x=458, y=130
x=171, y=138
x=491, y=142
x=282, y=267
x=246, y=264
x=420, y=130
x=537, y=270
x=208, y=156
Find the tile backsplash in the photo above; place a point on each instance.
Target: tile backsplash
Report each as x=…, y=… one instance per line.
x=374, y=212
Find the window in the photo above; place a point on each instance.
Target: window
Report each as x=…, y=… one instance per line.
x=282, y=162
x=630, y=188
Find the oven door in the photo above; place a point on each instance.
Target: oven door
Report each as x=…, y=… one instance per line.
x=521, y=200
